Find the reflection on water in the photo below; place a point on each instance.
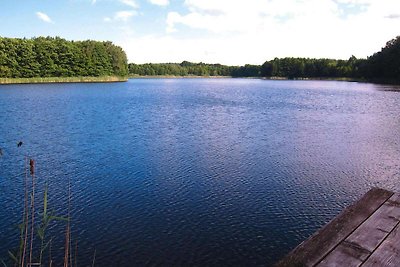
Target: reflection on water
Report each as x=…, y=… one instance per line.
x=196, y=171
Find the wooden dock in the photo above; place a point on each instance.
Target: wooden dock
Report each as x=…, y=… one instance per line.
x=366, y=233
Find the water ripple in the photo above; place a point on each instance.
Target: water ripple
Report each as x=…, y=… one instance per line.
x=194, y=172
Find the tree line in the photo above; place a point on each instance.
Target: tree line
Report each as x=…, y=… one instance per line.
x=278, y=67
x=381, y=66
x=192, y=69
x=57, y=57
x=180, y=69
x=384, y=65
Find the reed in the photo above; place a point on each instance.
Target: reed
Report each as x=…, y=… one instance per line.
x=30, y=253
x=32, y=171
x=68, y=231
x=23, y=240
x=100, y=79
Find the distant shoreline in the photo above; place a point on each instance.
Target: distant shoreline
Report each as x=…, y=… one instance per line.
x=113, y=79
x=344, y=79
x=39, y=80
x=175, y=77
x=339, y=79
x=261, y=78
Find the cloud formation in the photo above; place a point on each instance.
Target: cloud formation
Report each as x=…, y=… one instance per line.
x=252, y=31
x=244, y=16
x=44, y=17
x=160, y=2
x=393, y=16
x=130, y=3
x=124, y=15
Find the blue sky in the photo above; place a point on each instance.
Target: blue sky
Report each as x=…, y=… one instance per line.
x=231, y=32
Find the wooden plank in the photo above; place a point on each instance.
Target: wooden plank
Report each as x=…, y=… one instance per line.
x=372, y=232
x=366, y=238
x=313, y=250
x=347, y=254
x=388, y=253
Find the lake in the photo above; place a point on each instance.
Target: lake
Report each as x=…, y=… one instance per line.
x=184, y=172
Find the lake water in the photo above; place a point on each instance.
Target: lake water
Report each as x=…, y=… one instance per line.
x=183, y=172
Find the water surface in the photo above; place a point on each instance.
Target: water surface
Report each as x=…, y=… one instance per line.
x=179, y=172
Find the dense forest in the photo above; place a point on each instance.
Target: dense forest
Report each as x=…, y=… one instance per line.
x=57, y=57
x=382, y=66
x=192, y=69
x=309, y=67
x=183, y=69
x=278, y=67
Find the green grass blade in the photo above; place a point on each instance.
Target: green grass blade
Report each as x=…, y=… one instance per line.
x=45, y=202
x=40, y=232
x=12, y=256
x=46, y=245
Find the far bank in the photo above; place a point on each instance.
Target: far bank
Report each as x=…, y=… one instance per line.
x=274, y=78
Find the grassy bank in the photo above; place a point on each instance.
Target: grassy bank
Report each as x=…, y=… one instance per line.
x=100, y=79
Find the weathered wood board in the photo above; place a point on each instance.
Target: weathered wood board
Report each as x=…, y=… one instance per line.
x=366, y=233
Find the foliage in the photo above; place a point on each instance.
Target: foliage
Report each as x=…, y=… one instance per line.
x=311, y=68
x=284, y=67
x=57, y=57
x=382, y=66
x=34, y=241
x=46, y=57
x=183, y=69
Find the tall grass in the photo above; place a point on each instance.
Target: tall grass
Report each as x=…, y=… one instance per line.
x=62, y=80
x=33, y=239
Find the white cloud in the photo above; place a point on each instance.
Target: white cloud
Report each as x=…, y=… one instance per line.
x=244, y=16
x=172, y=19
x=124, y=15
x=44, y=17
x=252, y=31
x=355, y=2
x=130, y=3
x=265, y=29
x=393, y=16
x=94, y=2
x=160, y=2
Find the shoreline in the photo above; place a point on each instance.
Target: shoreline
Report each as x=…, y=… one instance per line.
x=176, y=77
x=113, y=79
x=44, y=80
x=275, y=78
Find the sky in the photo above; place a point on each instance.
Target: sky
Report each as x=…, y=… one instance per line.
x=232, y=32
